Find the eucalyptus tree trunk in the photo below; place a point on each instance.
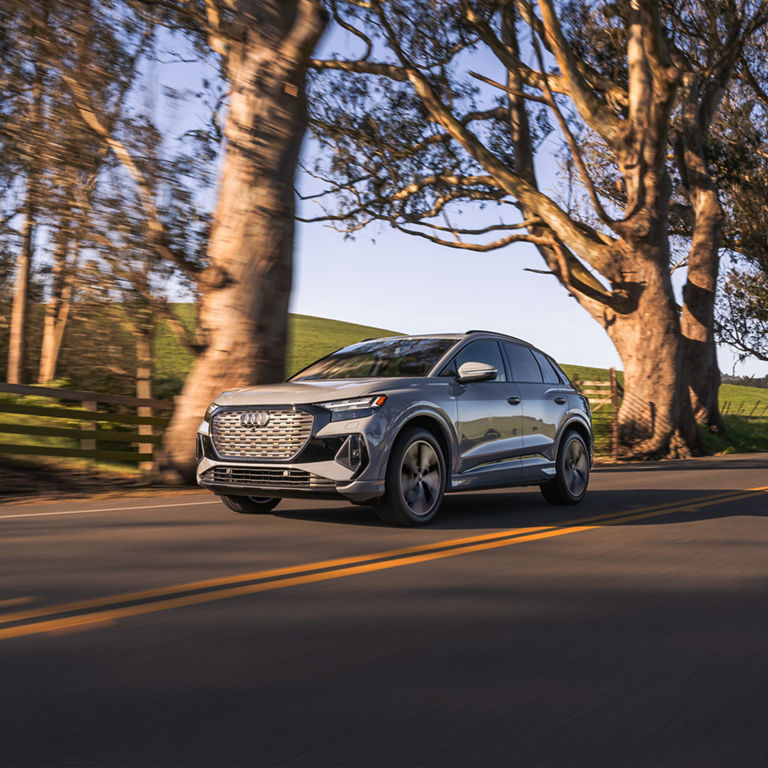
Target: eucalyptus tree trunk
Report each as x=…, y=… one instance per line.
x=640, y=316
x=655, y=417
x=699, y=293
x=20, y=307
x=57, y=310
x=698, y=312
x=243, y=315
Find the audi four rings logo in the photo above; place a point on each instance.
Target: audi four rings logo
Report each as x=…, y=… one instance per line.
x=254, y=419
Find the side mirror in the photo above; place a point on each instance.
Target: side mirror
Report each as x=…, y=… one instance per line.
x=476, y=372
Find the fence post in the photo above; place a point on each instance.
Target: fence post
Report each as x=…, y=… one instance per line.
x=144, y=391
x=614, y=416
x=87, y=443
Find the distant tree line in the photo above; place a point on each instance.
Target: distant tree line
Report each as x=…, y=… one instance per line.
x=747, y=381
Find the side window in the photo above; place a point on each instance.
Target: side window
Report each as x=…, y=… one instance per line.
x=547, y=369
x=522, y=363
x=479, y=352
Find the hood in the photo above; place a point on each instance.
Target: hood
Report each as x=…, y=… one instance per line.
x=303, y=392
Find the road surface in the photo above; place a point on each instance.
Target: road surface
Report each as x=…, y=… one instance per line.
x=631, y=630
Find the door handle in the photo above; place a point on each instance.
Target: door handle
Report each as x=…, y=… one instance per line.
x=512, y=400
x=560, y=400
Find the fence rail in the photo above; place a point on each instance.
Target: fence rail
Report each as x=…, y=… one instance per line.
x=745, y=409
x=88, y=433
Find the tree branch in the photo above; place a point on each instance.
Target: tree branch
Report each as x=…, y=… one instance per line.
x=599, y=117
x=580, y=238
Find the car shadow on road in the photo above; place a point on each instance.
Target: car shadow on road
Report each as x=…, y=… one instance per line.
x=528, y=509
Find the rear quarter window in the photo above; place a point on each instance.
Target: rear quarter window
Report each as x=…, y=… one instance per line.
x=548, y=371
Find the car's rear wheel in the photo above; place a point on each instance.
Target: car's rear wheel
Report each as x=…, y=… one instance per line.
x=250, y=505
x=569, y=485
x=415, y=480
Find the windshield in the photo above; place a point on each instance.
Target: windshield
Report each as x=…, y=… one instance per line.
x=374, y=359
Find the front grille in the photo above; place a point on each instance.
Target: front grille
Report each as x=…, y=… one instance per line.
x=284, y=435
x=268, y=477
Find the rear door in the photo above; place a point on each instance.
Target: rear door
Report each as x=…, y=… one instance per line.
x=489, y=415
x=544, y=403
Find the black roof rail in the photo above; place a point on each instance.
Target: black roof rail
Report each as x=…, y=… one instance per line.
x=497, y=333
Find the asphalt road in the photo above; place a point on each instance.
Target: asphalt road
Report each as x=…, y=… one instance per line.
x=166, y=630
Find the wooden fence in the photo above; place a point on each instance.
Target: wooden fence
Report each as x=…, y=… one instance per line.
x=748, y=410
x=82, y=407
x=604, y=397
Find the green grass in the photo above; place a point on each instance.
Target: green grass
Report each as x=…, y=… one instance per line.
x=745, y=435
x=737, y=398
x=310, y=338
x=172, y=360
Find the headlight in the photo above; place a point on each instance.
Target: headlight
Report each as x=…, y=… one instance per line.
x=354, y=408
x=211, y=408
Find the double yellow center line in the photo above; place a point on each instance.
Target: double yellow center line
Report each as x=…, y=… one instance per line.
x=69, y=616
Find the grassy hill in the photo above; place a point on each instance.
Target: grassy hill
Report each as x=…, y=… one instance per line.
x=312, y=337
x=308, y=339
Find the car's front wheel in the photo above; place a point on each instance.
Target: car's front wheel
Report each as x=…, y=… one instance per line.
x=250, y=505
x=415, y=480
x=569, y=485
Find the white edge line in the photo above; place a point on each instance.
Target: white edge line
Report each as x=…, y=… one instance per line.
x=110, y=509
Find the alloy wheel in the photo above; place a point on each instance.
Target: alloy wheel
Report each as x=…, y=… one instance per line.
x=420, y=478
x=576, y=467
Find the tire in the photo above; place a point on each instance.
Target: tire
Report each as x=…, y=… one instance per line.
x=413, y=496
x=250, y=505
x=569, y=485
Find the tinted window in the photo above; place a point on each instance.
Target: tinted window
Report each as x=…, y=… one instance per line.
x=478, y=352
x=522, y=363
x=547, y=369
x=387, y=357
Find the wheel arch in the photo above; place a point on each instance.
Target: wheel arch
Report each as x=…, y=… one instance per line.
x=437, y=429
x=578, y=426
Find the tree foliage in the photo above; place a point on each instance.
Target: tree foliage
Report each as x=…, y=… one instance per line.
x=449, y=105
x=120, y=209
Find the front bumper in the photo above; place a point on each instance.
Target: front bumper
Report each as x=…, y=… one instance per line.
x=326, y=468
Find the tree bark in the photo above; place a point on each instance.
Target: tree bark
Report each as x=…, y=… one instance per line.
x=698, y=313
x=699, y=293
x=655, y=417
x=57, y=311
x=20, y=308
x=243, y=321
x=17, y=339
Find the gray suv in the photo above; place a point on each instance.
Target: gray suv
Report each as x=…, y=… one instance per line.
x=399, y=422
